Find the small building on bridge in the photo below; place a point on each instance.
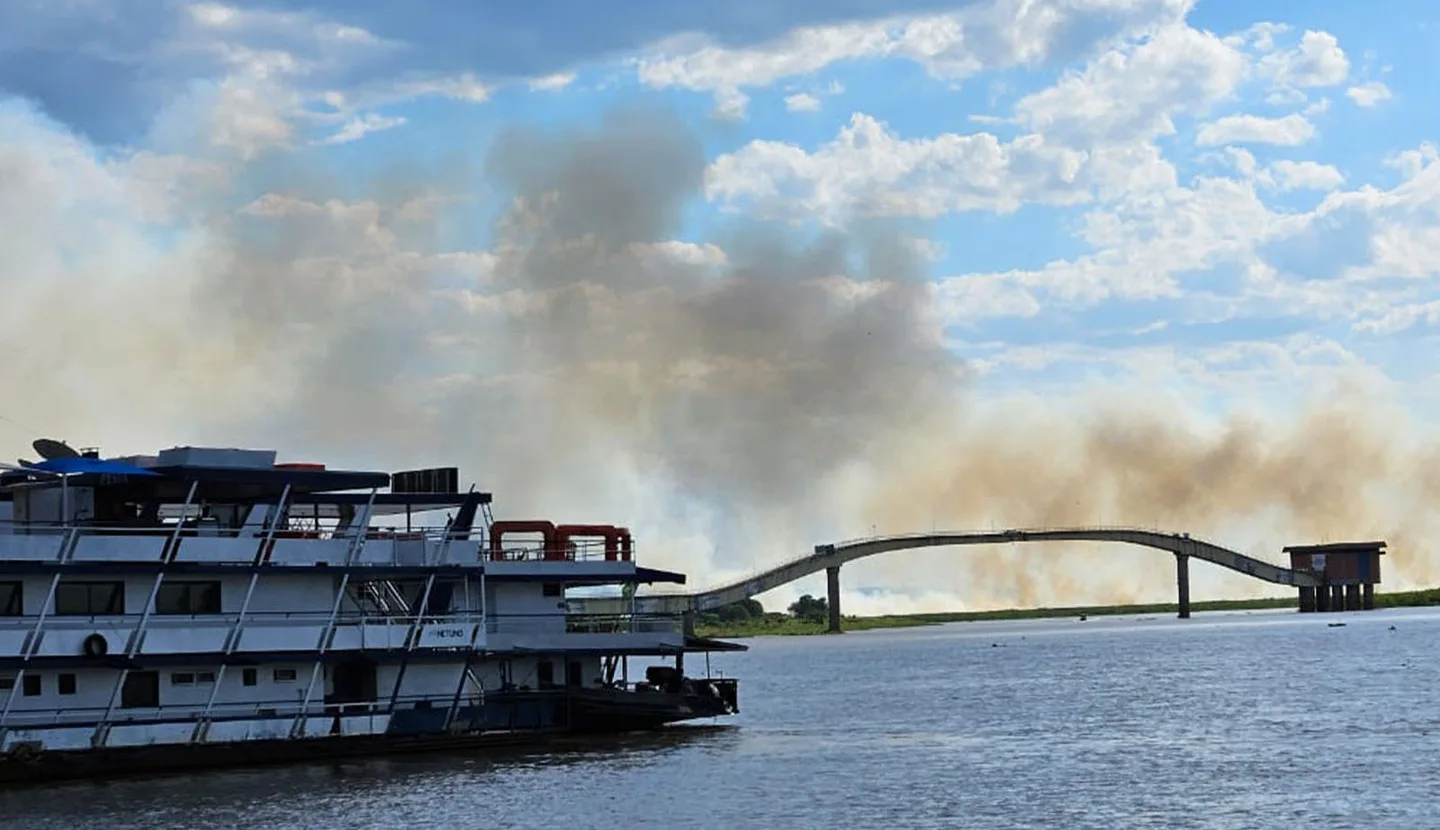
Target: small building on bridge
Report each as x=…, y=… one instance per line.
x=1348, y=573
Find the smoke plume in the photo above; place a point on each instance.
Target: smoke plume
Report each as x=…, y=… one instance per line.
x=734, y=393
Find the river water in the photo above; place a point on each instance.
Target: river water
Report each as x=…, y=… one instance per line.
x=1266, y=719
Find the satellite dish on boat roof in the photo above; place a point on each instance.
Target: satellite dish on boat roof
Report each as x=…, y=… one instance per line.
x=50, y=448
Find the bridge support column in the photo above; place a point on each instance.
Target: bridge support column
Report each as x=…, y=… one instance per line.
x=1322, y=598
x=1367, y=596
x=1352, y=597
x=1182, y=583
x=1337, y=597
x=687, y=625
x=832, y=601
x=1307, y=599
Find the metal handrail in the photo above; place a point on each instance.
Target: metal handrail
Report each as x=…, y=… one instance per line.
x=649, y=622
x=191, y=621
x=579, y=550
x=266, y=709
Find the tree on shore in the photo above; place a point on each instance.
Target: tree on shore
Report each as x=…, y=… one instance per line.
x=745, y=609
x=810, y=609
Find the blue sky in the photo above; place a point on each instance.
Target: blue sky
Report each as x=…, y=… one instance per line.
x=292, y=221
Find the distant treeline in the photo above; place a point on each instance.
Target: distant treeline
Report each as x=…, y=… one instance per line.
x=808, y=614
x=748, y=612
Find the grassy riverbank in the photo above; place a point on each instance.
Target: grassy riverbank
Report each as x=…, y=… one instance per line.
x=778, y=624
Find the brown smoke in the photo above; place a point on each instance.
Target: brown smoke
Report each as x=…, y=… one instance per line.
x=735, y=400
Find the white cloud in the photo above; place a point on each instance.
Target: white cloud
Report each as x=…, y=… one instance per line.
x=244, y=118
x=802, y=52
x=1306, y=175
x=361, y=126
x=1412, y=163
x=802, y=102
x=462, y=87
x=1369, y=94
x=229, y=20
x=1317, y=61
x=1289, y=131
x=869, y=169
x=986, y=34
x=1132, y=93
x=1285, y=175
x=730, y=104
x=1345, y=260
x=1260, y=36
x=553, y=83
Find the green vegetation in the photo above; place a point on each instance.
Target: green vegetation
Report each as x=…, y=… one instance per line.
x=808, y=615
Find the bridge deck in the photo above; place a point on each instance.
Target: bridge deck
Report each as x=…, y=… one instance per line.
x=826, y=556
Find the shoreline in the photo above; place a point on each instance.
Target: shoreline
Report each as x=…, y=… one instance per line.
x=779, y=624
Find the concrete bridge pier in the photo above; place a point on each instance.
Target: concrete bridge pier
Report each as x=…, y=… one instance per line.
x=1307, y=599
x=1182, y=583
x=832, y=600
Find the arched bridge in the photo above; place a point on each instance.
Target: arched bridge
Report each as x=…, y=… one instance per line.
x=830, y=557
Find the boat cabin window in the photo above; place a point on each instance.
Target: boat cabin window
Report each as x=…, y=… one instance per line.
x=6, y=684
x=249, y=677
x=545, y=674
x=401, y=597
x=551, y=589
x=11, y=594
x=89, y=599
x=188, y=598
x=65, y=683
x=141, y=690
x=32, y=685
x=573, y=673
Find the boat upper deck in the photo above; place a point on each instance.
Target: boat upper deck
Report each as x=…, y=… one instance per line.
x=205, y=507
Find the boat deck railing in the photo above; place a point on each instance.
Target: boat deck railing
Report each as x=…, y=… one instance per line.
x=260, y=632
x=153, y=620
x=584, y=623
x=19, y=718
x=289, y=545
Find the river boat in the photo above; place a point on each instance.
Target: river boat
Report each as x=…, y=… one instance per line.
x=211, y=607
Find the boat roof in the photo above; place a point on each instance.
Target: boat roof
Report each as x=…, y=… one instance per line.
x=254, y=478
x=327, y=505
x=238, y=483
x=1377, y=546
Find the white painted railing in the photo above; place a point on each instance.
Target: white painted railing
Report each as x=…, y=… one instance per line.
x=262, y=632
x=28, y=542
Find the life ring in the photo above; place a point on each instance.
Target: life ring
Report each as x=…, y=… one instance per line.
x=95, y=645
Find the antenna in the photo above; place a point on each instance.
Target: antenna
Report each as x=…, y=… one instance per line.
x=50, y=448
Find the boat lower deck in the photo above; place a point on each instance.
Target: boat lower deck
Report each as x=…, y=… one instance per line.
x=22, y=767
x=515, y=719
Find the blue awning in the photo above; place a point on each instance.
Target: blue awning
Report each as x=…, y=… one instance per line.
x=81, y=464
